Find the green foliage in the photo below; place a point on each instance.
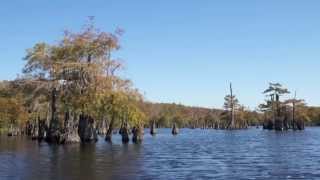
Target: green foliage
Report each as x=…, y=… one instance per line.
x=12, y=109
x=81, y=70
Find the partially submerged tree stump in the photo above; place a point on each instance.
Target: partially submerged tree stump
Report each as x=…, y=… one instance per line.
x=87, y=130
x=102, y=129
x=109, y=132
x=278, y=126
x=13, y=131
x=153, y=130
x=137, y=134
x=300, y=125
x=34, y=132
x=175, y=130
x=70, y=133
x=28, y=128
x=41, y=130
x=125, y=133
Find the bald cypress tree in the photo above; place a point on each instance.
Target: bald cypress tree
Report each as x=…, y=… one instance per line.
x=275, y=91
x=297, y=122
x=231, y=106
x=81, y=83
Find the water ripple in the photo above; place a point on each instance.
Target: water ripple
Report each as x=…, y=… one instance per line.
x=193, y=154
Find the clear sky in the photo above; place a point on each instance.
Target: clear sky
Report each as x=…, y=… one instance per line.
x=184, y=51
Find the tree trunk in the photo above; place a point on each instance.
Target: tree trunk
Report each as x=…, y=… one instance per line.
x=278, y=126
x=137, y=134
x=70, y=134
x=110, y=129
x=13, y=131
x=232, y=124
x=153, y=130
x=53, y=134
x=86, y=129
x=35, y=131
x=28, y=128
x=175, y=129
x=102, y=127
x=41, y=129
x=273, y=113
x=293, y=116
x=300, y=125
x=125, y=133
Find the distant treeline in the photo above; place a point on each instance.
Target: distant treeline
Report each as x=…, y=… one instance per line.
x=15, y=110
x=165, y=114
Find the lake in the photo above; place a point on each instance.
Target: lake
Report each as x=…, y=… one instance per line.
x=193, y=154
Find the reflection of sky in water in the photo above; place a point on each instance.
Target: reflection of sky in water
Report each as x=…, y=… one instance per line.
x=213, y=154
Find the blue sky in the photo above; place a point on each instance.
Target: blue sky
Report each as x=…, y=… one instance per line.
x=184, y=51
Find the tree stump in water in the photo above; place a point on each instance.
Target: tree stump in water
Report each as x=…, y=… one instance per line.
x=70, y=134
x=109, y=133
x=175, y=129
x=137, y=134
x=34, y=132
x=13, y=131
x=125, y=133
x=102, y=129
x=300, y=125
x=121, y=128
x=278, y=126
x=87, y=130
x=268, y=125
x=28, y=128
x=41, y=130
x=153, y=130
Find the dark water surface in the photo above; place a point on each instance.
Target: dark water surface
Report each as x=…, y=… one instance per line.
x=193, y=154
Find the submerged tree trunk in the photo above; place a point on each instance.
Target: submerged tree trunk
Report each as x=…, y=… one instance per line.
x=34, y=132
x=28, y=128
x=86, y=129
x=121, y=127
x=13, y=131
x=137, y=134
x=41, y=129
x=70, y=134
x=153, y=130
x=53, y=134
x=175, y=129
x=216, y=125
x=110, y=129
x=300, y=125
x=268, y=124
x=125, y=133
x=102, y=129
x=279, y=124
